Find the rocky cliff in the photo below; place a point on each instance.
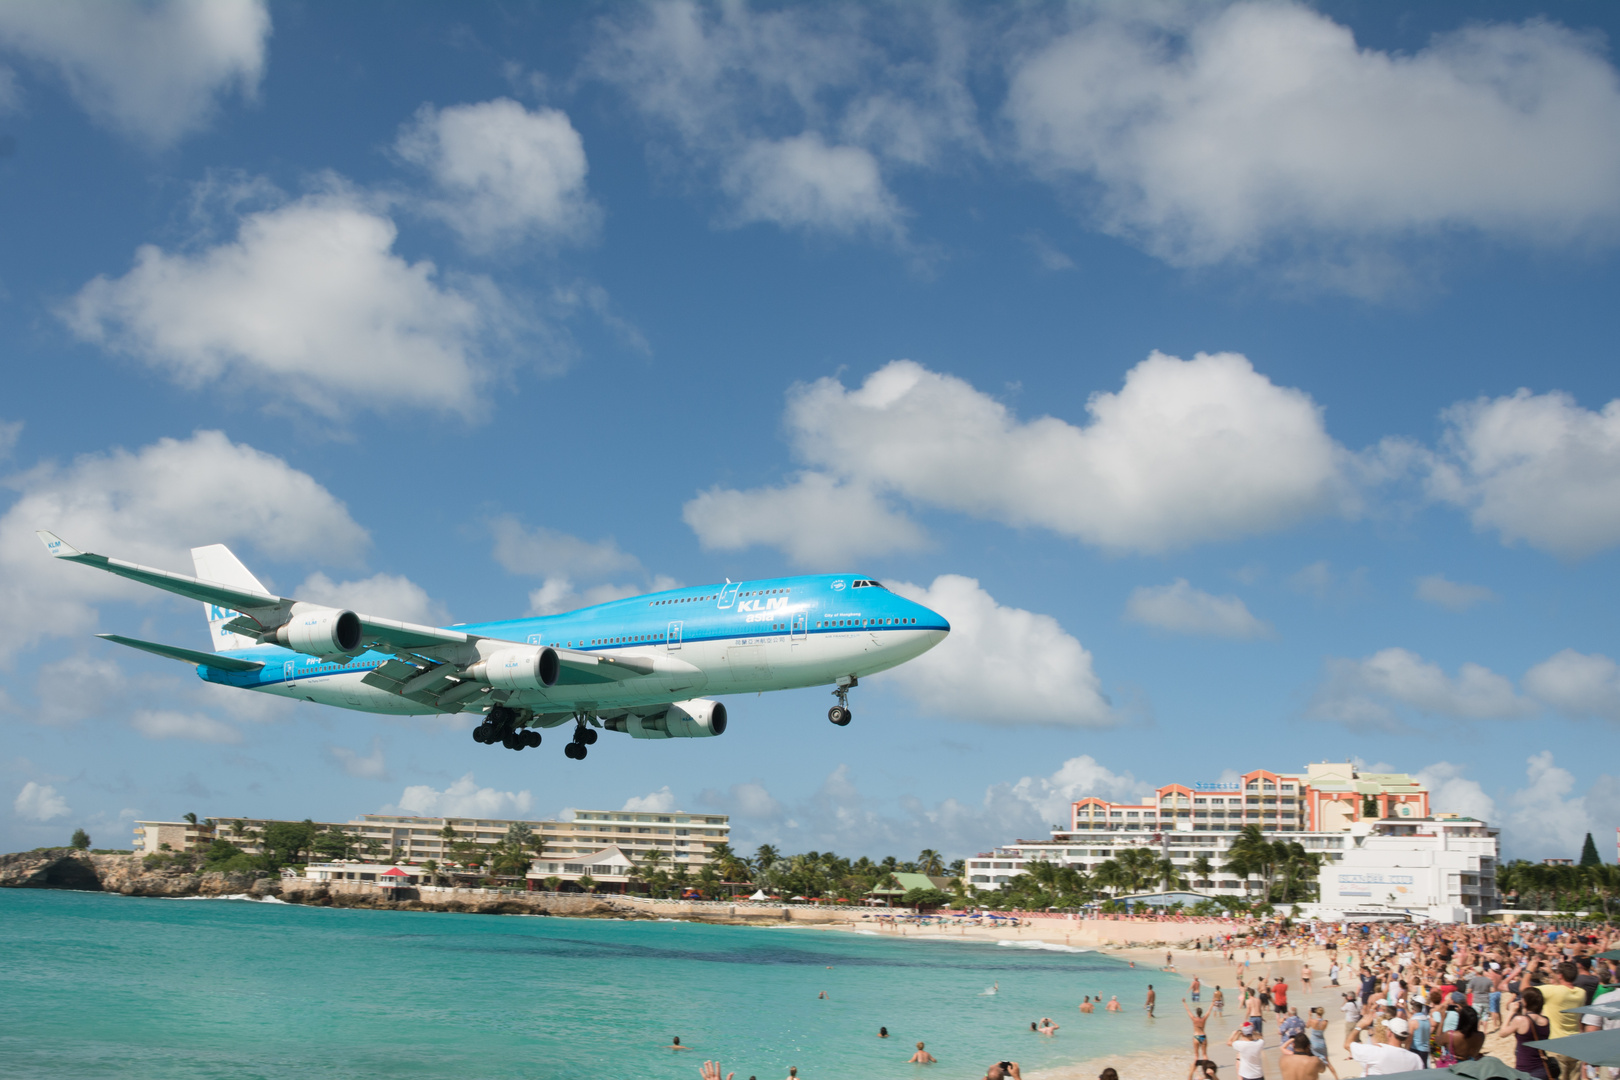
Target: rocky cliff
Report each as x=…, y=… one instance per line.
x=65, y=868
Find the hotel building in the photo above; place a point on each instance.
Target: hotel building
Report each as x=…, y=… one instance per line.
x=1330, y=809
x=685, y=838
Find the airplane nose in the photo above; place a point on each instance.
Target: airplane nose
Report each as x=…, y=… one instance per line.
x=934, y=621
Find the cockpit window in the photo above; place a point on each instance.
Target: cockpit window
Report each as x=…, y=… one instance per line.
x=868, y=584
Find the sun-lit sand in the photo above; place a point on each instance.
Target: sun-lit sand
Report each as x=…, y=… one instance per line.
x=1130, y=941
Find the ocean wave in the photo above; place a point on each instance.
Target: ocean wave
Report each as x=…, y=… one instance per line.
x=1047, y=946
x=231, y=896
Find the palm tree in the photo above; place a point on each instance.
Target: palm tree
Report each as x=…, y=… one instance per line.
x=765, y=857
x=1202, y=867
x=1251, y=854
x=930, y=862
x=1166, y=874
x=190, y=817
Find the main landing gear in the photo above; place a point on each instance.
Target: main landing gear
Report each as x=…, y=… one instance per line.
x=501, y=726
x=583, y=737
x=839, y=713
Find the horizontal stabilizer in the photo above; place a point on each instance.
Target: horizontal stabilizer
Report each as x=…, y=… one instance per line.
x=189, y=656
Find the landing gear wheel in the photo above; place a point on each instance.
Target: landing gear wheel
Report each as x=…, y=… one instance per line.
x=574, y=751
x=531, y=737
x=514, y=741
x=481, y=733
x=587, y=736
x=839, y=715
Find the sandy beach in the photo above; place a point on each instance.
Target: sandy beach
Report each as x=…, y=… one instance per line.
x=1130, y=941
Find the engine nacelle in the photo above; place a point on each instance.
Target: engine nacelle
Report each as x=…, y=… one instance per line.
x=521, y=668
x=699, y=718
x=320, y=631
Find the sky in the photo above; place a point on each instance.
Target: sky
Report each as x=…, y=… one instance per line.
x=1237, y=379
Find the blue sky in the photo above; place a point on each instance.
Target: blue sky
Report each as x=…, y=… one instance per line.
x=1237, y=379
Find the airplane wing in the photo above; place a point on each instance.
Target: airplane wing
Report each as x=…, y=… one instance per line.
x=190, y=656
x=427, y=658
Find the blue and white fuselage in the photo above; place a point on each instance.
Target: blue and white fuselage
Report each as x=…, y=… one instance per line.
x=741, y=637
x=636, y=666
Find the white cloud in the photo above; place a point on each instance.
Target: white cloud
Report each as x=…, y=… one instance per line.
x=464, y=798
x=1182, y=609
x=154, y=71
x=657, y=802
x=1367, y=692
x=387, y=596
x=372, y=766
x=1577, y=684
x=1000, y=665
x=1450, y=792
x=39, y=802
x=838, y=816
x=1050, y=797
x=1186, y=451
x=309, y=304
x=506, y=174
x=1208, y=134
x=1546, y=818
x=151, y=506
x=1451, y=595
x=1320, y=581
x=1536, y=468
x=803, y=182
x=816, y=520
x=173, y=724
x=797, y=113
x=9, y=434
x=544, y=552
x=558, y=594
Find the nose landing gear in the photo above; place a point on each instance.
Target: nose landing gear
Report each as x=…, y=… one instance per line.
x=839, y=713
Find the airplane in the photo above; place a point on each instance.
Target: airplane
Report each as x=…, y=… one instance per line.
x=631, y=666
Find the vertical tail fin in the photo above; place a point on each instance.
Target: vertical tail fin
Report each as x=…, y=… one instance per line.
x=216, y=563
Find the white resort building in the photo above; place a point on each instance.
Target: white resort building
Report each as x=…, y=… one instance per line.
x=1330, y=809
x=685, y=839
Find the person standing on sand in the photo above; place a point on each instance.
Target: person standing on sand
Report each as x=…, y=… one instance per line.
x=1200, y=1040
x=1279, y=996
x=921, y=1057
x=1151, y=998
x=1245, y=1043
x=1305, y=976
x=1299, y=1063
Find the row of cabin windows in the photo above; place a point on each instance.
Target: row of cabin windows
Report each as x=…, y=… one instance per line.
x=637, y=638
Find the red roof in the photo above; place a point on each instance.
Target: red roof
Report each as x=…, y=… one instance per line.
x=395, y=872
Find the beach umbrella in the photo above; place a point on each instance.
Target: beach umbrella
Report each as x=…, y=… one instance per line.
x=1485, y=1068
x=1592, y=1047
x=1612, y=954
x=1608, y=1012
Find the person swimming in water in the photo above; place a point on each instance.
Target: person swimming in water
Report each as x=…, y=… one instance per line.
x=1113, y=1003
x=921, y=1057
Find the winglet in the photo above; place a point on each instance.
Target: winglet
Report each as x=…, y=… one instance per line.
x=56, y=545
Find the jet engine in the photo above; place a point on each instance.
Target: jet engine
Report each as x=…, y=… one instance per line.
x=523, y=668
x=699, y=718
x=320, y=631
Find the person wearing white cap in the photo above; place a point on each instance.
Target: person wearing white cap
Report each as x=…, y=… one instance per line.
x=1247, y=1044
x=1388, y=1056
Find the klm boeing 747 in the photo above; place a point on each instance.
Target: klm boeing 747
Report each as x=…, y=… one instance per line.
x=633, y=666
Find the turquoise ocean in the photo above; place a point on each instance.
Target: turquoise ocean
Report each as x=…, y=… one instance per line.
x=95, y=985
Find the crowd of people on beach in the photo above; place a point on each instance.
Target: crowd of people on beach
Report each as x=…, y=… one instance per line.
x=1412, y=997
x=1419, y=997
